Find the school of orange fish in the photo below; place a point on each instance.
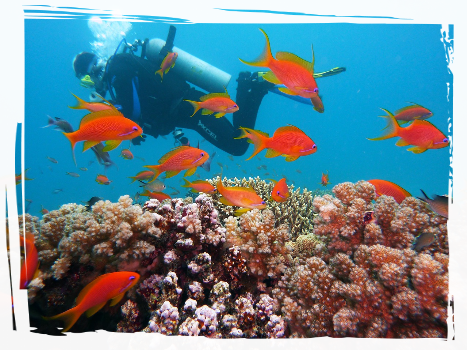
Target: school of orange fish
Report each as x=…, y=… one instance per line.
x=106, y=124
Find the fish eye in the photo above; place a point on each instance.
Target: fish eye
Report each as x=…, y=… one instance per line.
x=135, y=128
x=235, y=105
x=314, y=146
x=262, y=202
x=445, y=140
x=315, y=89
x=278, y=192
x=202, y=154
x=132, y=278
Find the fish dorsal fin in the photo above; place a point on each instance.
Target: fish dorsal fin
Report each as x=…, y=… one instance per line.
x=273, y=181
x=403, y=109
x=287, y=128
x=290, y=57
x=100, y=114
x=172, y=153
x=214, y=94
x=86, y=289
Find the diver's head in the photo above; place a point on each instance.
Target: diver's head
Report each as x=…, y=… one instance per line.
x=87, y=68
x=84, y=63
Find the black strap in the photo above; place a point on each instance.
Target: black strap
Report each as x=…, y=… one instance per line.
x=169, y=43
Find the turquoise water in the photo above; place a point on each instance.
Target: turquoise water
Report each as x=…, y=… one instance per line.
x=387, y=65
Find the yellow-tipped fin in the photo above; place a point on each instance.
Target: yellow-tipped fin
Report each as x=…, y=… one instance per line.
x=287, y=56
x=265, y=58
x=81, y=103
x=94, y=309
x=111, y=145
x=392, y=127
x=241, y=211
x=195, y=106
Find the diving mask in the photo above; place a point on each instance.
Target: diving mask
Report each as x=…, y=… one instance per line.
x=87, y=82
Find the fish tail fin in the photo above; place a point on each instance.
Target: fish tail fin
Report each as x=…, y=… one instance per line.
x=255, y=137
x=132, y=177
x=391, y=130
x=424, y=195
x=69, y=317
x=160, y=72
x=81, y=103
x=22, y=176
x=155, y=169
x=265, y=58
x=186, y=184
x=50, y=122
x=196, y=106
x=11, y=239
x=71, y=137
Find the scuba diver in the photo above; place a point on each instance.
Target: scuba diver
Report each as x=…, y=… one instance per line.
x=156, y=102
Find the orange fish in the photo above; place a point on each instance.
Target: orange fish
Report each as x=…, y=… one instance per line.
x=410, y=113
x=325, y=179
x=280, y=192
x=440, y=204
x=421, y=134
x=90, y=106
x=126, y=154
x=102, y=180
x=288, y=141
x=178, y=159
x=142, y=175
x=95, y=295
x=292, y=71
x=244, y=197
x=160, y=196
x=219, y=102
x=30, y=265
x=9, y=305
x=7, y=181
x=388, y=188
x=108, y=125
x=199, y=186
x=167, y=63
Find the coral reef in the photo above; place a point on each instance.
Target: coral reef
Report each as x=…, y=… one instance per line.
x=347, y=268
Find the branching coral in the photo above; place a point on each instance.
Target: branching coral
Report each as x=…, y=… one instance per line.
x=296, y=212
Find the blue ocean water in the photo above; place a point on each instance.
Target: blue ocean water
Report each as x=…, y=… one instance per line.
x=387, y=65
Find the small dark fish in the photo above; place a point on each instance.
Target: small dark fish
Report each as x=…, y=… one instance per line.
x=50, y=168
x=244, y=171
x=423, y=240
x=92, y=201
x=298, y=171
x=60, y=124
x=264, y=167
x=266, y=173
x=137, y=196
x=102, y=157
x=58, y=190
x=144, y=160
x=174, y=193
x=230, y=157
x=440, y=204
x=83, y=169
x=90, y=162
x=72, y=174
x=259, y=158
x=154, y=186
x=259, y=167
x=207, y=164
x=198, y=176
x=52, y=160
x=220, y=164
x=28, y=205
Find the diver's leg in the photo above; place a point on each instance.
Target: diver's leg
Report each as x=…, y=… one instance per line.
x=250, y=93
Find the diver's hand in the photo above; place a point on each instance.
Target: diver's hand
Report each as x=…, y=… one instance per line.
x=137, y=140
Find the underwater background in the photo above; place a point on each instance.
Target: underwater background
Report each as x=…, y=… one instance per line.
x=387, y=65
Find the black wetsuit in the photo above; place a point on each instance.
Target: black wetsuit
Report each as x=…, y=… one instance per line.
x=163, y=109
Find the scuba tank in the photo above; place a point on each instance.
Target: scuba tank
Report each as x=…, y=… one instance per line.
x=191, y=68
